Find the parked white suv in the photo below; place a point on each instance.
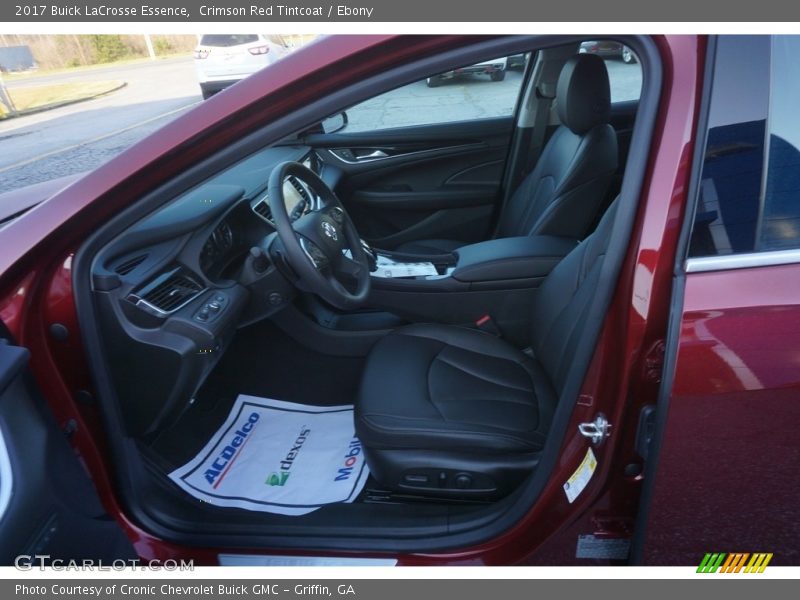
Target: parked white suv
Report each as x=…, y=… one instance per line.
x=223, y=59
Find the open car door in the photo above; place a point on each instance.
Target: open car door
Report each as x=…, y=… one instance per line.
x=721, y=475
x=49, y=509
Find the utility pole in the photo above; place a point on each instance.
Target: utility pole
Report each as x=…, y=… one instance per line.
x=149, y=43
x=79, y=47
x=5, y=98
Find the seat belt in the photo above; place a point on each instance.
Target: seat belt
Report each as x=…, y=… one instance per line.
x=541, y=119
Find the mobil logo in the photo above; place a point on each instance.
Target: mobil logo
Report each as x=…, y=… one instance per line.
x=351, y=458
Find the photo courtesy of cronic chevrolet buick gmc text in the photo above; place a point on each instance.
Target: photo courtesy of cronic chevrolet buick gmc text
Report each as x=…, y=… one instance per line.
x=337, y=315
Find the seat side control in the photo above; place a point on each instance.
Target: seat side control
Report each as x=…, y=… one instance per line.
x=446, y=480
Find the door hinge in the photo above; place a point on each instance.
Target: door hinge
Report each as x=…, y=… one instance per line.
x=653, y=364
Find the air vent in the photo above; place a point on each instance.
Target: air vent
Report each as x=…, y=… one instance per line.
x=167, y=292
x=262, y=208
x=129, y=265
x=299, y=187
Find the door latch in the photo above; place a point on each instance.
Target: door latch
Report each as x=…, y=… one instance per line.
x=597, y=431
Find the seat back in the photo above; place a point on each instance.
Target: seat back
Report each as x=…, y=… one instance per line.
x=564, y=192
x=562, y=302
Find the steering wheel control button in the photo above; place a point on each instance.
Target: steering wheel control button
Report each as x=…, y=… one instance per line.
x=275, y=299
x=337, y=214
x=314, y=253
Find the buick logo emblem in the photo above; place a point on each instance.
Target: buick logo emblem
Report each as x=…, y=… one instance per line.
x=330, y=231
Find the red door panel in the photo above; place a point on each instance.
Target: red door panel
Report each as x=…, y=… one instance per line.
x=727, y=475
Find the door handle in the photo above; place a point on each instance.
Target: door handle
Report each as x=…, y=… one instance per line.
x=372, y=155
x=351, y=156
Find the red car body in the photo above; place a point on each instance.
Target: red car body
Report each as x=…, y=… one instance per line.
x=720, y=423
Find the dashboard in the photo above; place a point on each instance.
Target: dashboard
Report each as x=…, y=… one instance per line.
x=231, y=237
x=226, y=241
x=218, y=221
x=173, y=288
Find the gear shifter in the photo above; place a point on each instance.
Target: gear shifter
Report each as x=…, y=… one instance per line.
x=372, y=258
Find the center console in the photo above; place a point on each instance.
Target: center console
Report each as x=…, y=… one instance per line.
x=497, y=278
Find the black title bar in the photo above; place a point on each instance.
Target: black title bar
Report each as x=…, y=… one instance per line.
x=138, y=11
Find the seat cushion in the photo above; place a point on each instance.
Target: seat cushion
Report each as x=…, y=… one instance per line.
x=435, y=387
x=429, y=247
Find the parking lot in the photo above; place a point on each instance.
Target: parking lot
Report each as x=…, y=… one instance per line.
x=467, y=97
x=82, y=136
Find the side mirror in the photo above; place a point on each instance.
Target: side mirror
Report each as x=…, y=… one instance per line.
x=334, y=123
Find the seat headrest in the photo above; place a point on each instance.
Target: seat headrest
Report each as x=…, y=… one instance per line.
x=583, y=97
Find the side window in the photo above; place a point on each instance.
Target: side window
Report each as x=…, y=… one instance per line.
x=749, y=193
x=780, y=220
x=622, y=64
x=730, y=183
x=482, y=91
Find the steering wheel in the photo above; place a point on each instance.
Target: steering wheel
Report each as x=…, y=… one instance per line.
x=315, y=243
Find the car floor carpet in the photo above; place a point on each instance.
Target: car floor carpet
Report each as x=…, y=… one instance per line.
x=261, y=361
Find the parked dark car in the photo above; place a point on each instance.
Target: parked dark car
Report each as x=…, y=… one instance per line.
x=578, y=350
x=494, y=68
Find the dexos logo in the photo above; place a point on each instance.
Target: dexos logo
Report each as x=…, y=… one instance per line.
x=279, y=478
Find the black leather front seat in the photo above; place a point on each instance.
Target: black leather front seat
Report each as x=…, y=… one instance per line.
x=456, y=411
x=566, y=189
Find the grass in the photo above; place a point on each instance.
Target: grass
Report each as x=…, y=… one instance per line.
x=41, y=97
x=33, y=74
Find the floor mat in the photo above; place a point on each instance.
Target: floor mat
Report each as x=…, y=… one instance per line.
x=278, y=457
x=263, y=361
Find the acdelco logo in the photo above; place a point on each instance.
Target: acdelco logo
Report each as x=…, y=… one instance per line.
x=734, y=562
x=227, y=456
x=350, y=459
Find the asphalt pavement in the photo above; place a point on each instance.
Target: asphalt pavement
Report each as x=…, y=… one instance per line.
x=80, y=137
x=467, y=97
